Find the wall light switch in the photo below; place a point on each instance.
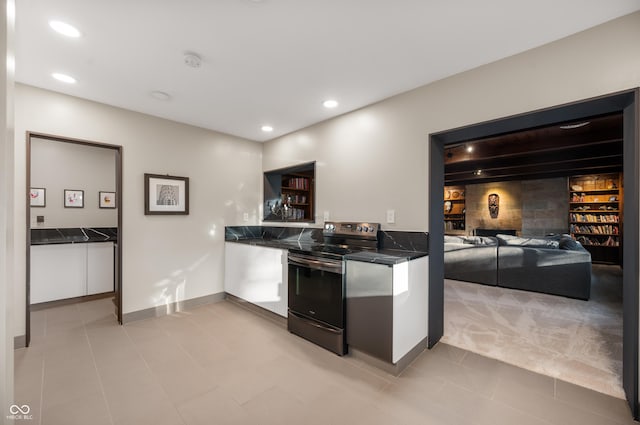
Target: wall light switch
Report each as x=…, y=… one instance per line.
x=391, y=216
x=245, y=216
x=39, y=219
x=326, y=216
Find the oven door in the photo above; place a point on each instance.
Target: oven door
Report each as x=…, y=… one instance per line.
x=316, y=289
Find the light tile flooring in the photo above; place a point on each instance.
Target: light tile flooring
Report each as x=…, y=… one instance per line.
x=221, y=364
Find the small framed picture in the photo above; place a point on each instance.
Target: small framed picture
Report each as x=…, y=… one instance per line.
x=38, y=197
x=107, y=199
x=166, y=194
x=73, y=198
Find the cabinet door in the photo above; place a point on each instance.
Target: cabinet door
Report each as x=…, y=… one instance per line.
x=258, y=275
x=99, y=268
x=369, y=293
x=58, y=272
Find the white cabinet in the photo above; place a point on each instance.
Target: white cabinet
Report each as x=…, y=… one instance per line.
x=63, y=271
x=99, y=267
x=58, y=272
x=257, y=274
x=387, y=307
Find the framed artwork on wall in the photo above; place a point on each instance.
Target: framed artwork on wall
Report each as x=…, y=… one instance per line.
x=166, y=195
x=106, y=199
x=38, y=197
x=73, y=198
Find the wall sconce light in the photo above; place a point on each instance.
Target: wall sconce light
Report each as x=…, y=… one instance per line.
x=494, y=205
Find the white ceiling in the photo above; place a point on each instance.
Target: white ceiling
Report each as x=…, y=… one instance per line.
x=275, y=61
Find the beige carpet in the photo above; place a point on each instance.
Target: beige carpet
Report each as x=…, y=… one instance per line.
x=576, y=341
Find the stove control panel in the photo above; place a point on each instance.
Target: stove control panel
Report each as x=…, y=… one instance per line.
x=351, y=229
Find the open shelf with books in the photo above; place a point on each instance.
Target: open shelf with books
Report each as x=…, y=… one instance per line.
x=454, y=210
x=289, y=194
x=595, y=215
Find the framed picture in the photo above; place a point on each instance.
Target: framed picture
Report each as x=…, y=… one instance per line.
x=38, y=197
x=107, y=199
x=166, y=194
x=73, y=198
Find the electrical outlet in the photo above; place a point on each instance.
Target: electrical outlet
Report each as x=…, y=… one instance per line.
x=245, y=216
x=391, y=216
x=326, y=216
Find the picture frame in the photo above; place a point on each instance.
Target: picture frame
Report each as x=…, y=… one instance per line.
x=166, y=195
x=73, y=198
x=106, y=200
x=38, y=197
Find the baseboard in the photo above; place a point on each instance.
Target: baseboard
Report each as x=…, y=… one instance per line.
x=276, y=318
x=391, y=368
x=19, y=341
x=67, y=301
x=176, y=306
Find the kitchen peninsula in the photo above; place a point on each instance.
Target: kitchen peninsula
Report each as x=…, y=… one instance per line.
x=257, y=272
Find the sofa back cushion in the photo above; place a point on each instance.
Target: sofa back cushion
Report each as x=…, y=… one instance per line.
x=471, y=240
x=527, y=242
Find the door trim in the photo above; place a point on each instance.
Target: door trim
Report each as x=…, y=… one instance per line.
x=118, y=251
x=625, y=102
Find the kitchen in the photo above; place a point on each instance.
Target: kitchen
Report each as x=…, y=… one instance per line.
x=390, y=175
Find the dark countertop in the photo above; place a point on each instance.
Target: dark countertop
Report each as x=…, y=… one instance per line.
x=381, y=256
x=73, y=235
x=387, y=257
x=275, y=243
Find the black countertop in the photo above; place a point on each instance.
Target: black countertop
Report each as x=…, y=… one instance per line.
x=380, y=256
x=73, y=235
x=388, y=257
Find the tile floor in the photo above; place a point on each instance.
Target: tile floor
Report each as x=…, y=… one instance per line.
x=221, y=364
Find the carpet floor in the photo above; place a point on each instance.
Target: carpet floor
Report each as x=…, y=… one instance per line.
x=573, y=340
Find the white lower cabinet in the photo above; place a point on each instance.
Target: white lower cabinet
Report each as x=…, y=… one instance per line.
x=100, y=267
x=70, y=270
x=257, y=274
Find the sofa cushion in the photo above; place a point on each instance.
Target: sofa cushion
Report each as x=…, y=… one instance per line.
x=528, y=242
x=470, y=240
x=569, y=244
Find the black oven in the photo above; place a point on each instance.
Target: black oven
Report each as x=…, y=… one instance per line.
x=316, y=283
x=316, y=300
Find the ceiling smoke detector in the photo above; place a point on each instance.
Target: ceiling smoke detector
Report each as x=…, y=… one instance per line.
x=192, y=60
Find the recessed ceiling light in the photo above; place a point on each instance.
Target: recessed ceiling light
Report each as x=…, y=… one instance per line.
x=469, y=148
x=160, y=95
x=63, y=77
x=477, y=172
x=330, y=103
x=267, y=128
x=65, y=29
x=572, y=126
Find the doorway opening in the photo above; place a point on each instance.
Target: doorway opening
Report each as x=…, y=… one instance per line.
x=74, y=221
x=625, y=103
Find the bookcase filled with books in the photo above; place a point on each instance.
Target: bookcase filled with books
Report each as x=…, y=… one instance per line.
x=595, y=215
x=289, y=194
x=454, y=210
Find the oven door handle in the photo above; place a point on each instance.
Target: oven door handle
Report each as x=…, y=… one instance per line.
x=315, y=264
x=315, y=324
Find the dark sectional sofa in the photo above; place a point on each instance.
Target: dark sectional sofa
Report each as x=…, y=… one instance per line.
x=555, y=265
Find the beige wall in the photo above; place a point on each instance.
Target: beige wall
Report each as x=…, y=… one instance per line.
x=6, y=211
x=164, y=257
x=56, y=166
x=376, y=158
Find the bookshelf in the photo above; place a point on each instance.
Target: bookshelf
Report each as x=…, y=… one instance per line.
x=289, y=194
x=454, y=210
x=595, y=215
